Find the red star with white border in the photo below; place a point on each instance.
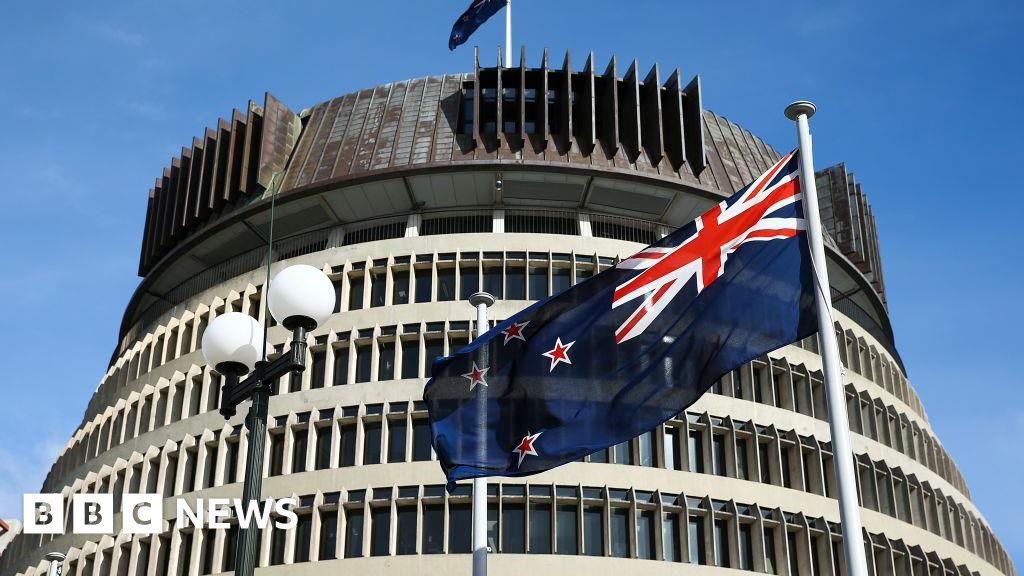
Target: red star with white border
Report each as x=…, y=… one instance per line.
x=514, y=331
x=526, y=447
x=559, y=354
x=476, y=376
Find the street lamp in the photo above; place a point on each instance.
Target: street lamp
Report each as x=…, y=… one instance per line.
x=300, y=298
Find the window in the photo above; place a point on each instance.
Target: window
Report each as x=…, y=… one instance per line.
x=446, y=284
x=513, y=529
x=300, y=440
x=378, y=284
x=645, y=534
x=386, y=361
x=141, y=563
x=328, y=535
x=400, y=288
x=538, y=282
x=323, y=447
x=354, y=533
x=355, y=292
x=567, y=541
x=540, y=528
x=469, y=281
x=433, y=528
x=319, y=365
x=492, y=281
x=741, y=459
x=364, y=358
x=434, y=347
x=184, y=556
x=696, y=450
x=696, y=541
x=303, y=535
x=672, y=461
x=460, y=528
x=670, y=536
x=600, y=456
x=619, y=520
x=421, y=440
x=593, y=530
x=396, y=440
x=721, y=543
x=515, y=283
x=347, y=448
x=560, y=279
x=341, y=365
x=718, y=451
x=337, y=295
x=583, y=273
x=765, y=462
x=769, y=551
x=406, y=530
x=423, y=287
x=646, y=441
x=380, y=533
x=411, y=358
x=371, y=442
x=621, y=452
x=210, y=467
x=746, y=548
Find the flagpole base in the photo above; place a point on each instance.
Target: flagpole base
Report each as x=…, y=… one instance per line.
x=805, y=107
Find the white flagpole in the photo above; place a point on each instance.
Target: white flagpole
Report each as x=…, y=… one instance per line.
x=842, y=451
x=508, y=34
x=481, y=300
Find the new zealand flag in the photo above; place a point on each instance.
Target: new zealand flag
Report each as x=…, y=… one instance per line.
x=618, y=354
x=474, y=16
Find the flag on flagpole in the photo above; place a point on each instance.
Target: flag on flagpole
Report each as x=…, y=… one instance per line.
x=474, y=16
x=617, y=355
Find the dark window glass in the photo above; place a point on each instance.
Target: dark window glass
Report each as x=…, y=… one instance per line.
x=446, y=284
x=765, y=462
x=294, y=381
x=698, y=555
x=769, y=551
x=355, y=292
x=337, y=295
x=794, y=558
x=276, y=453
x=718, y=452
x=303, y=534
x=400, y=289
x=210, y=472
x=646, y=441
x=230, y=541
x=538, y=282
x=386, y=361
x=433, y=528
x=423, y=288
x=207, y=555
x=323, y=447
x=341, y=365
x=672, y=460
x=599, y=456
x=593, y=531
x=319, y=364
x=364, y=359
x=696, y=449
x=721, y=543
x=378, y=284
x=645, y=534
x=328, y=535
x=513, y=529
x=371, y=442
x=469, y=283
x=746, y=548
x=434, y=347
x=787, y=475
x=620, y=532
x=582, y=273
x=184, y=556
x=347, y=456
x=621, y=453
x=301, y=438
x=540, y=528
x=460, y=529
x=515, y=283
x=380, y=531
x=741, y=459
x=492, y=281
x=560, y=280
x=421, y=440
x=277, y=542
x=568, y=533
x=410, y=358
x=670, y=537
x=354, y=533
x=406, y=530
x=396, y=440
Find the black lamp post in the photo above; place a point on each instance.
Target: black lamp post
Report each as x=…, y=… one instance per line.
x=301, y=297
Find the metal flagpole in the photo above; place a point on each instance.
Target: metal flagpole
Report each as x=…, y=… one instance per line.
x=481, y=300
x=508, y=34
x=842, y=452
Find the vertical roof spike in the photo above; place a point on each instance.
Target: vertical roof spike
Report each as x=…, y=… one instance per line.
x=522, y=57
x=544, y=59
x=501, y=62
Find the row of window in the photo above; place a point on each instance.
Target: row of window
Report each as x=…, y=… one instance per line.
x=523, y=519
x=399, y=432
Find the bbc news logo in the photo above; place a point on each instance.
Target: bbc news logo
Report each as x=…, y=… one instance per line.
x=144, y=513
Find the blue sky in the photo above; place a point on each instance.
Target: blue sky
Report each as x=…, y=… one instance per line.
x=921, y=99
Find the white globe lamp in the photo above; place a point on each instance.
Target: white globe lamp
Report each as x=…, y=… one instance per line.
x=301, y=296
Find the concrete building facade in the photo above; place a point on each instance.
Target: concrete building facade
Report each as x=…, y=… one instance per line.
x=519, y=181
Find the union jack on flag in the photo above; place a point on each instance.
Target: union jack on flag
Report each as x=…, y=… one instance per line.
x=618, y=354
